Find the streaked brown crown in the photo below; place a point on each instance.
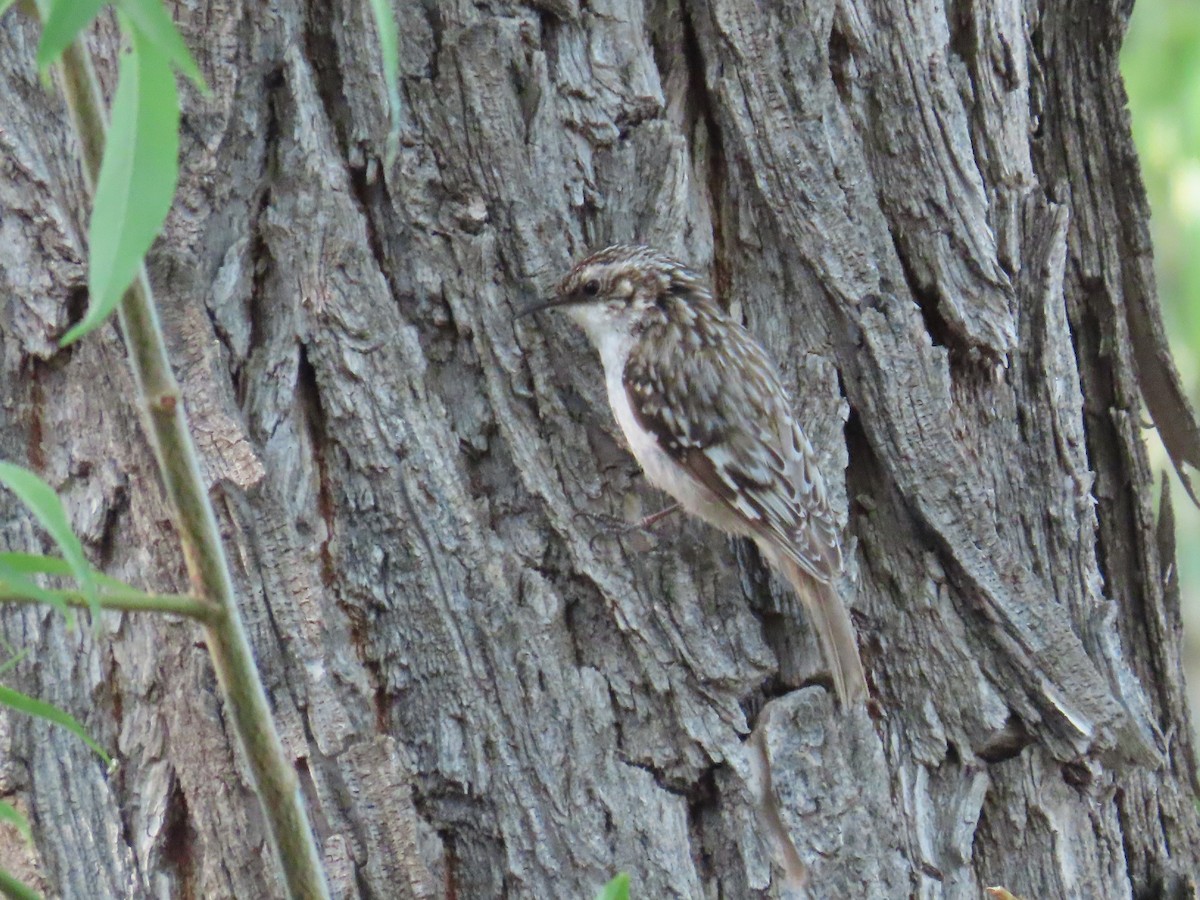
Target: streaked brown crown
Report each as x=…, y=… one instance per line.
x=627, y=270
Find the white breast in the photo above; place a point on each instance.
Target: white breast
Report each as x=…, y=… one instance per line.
x=613, y=342
x=660, y=469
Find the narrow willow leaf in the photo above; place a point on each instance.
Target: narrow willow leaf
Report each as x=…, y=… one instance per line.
x=617, y=889
x=51, y=713
x=41, y=500
x=66, y=19
x=36, y=564
x=16, y=890
x=389, y=51
x=33, y=563
x=137, y=179
x=10, y=814
x=154, y=24
x=13, y=660
x=15, y=584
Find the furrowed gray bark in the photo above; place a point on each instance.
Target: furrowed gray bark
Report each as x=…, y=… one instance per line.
x=932, y=216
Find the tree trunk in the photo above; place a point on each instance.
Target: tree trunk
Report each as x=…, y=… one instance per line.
x=929, y=212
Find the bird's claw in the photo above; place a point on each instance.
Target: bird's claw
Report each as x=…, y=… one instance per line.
x=617, y=528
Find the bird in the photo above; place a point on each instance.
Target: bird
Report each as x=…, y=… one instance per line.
x=704, y=412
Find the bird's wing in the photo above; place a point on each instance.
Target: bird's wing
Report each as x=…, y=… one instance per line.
x=716, y=406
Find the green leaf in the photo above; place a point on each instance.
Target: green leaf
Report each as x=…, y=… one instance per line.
x=10, y=814
x=66, y=19
x=155, y=26
x=16, y=890
x=13, y=660
x=36, y=564
x=51, y=713
x=33, y=563
x=41, y=500
x=617, y=889
x=389, y=51
x=14, y=584
x=137, y=179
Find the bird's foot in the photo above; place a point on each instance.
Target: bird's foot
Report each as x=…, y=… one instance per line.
x=654, y=518
x=614, y=526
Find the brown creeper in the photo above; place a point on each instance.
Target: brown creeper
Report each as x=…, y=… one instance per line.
x=706, y=416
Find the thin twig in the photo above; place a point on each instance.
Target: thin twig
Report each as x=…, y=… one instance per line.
x=127, y=601
x=274, y=776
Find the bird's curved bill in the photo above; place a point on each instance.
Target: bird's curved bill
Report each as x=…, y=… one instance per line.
x=552, y=303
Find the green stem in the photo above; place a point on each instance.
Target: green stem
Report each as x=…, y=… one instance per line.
x=274, y=777
x=128, y=601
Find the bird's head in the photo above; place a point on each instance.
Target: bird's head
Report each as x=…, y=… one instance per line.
x=620, y=289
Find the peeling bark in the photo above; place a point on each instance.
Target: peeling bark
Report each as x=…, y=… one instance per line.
x=932, y=216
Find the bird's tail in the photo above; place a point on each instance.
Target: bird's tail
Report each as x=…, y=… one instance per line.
x=831, y=619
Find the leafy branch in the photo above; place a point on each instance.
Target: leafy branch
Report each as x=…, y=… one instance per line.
x=138, y=131
x=132, y=169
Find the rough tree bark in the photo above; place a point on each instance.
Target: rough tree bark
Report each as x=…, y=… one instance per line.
x=930, y=212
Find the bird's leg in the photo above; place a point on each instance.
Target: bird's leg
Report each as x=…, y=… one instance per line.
x=654, y=518
x=621, y=526
x=617, y=527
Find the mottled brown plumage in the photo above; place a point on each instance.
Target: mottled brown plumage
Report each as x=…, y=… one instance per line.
x=704, y=388
x=705, y=413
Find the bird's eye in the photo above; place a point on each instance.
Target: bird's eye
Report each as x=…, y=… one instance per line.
x=592, y=288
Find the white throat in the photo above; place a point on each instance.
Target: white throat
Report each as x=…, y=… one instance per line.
x=611, y=333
